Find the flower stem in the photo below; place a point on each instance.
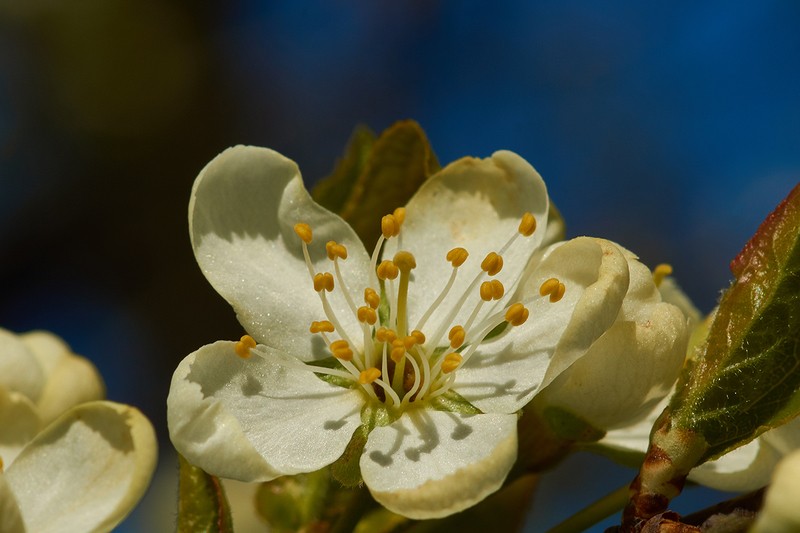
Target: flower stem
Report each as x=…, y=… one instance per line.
x=590, y=515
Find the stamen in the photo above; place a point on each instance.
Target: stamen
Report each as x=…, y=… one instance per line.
x=404, y=261
x=323, y=281
x=412, y=387
x=341, y=350
x=660, y=272
x=303, y=231
x=492, y=263
x=369, y=375
x=554, y=288
x=451, y=362
x=418, y=336
x=367, y=315
x=372, y=298
x=457, y=335
x=517, y=314
x=323, y=326
x=398, y=351
x=244, y=345
x=384, y=334
x=457, y=256
x=387, y=270
x=528, y=225
x=390, y=226
x=400, y=215
x=335, y=250
x=492, y=290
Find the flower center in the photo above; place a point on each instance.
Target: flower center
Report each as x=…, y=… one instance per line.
x=397, y=364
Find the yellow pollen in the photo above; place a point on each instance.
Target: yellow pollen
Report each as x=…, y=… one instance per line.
x=457, y=335
x=367, y=315
x=492, y=263
x=335, y=250
x=400, y=215
x=369, y=375
x=398, y=350
x=371, y=298
x=457, y=256
x=558, y=294
x=528, y=225
x=419, y=336
x=492, y=290
x=451, y=362
x=303, y=231
x=554, y=288
x=385, y=335
x=387, y=270
x=404, y=261
x=390, y=226
x=243, y=347
x=341, y=350
x=1, y=465
x=409, y=341
x=517, y=314
x=323, y=281
x=321, y=326
x=660, y=272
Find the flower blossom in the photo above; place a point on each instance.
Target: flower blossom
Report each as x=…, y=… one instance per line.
x=413, y=360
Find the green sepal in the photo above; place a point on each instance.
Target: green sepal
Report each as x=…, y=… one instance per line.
x=291, y=503
x=332, y=362
x=569, y=426
x=202, y=505
x=334, y=191
x=455, y=403
x=346, y=469
x=747, y=378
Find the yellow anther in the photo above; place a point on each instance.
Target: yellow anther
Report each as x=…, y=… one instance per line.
x=404, y=261
x=517, y=314
x=341, y=350
x=390, y=226
x=372, y=298
x=387, y=270
x=457, y=335
x=457, y=256
x=451, y=362
x=367, y=315
x=369, y=375
x=492, y=263
x=554, y=288
x=303, y=231
x=385, y=335
x=400, y=215
x=1, y=465
x=409, y=341
x=335, y=250
x=660, y=272
x=398, y=350
x=492, y=290
x=244, y=345
x=323, y=281
x=527, y=225
x=419, y=336
x=321, y=326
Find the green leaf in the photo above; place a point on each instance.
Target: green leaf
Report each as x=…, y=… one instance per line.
x=202, y=505
x=376, y=177
x=747, y=379
x=291, y=503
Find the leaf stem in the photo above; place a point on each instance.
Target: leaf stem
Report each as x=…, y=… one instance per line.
x=593, y=513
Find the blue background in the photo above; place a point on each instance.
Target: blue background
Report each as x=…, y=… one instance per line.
x=672, y=129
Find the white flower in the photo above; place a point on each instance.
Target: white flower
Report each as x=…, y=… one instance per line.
x=781, y=513
x=40, y=378
x=432, y=354
x=84, y=472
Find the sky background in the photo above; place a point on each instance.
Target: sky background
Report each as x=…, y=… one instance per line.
x=672, y=129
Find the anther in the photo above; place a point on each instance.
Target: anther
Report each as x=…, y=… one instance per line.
x=335, y=250
x=303, y=231
x=390, y=226
x=367, y=315
x=400, y=215
x=323, y=281
x=457, y=256
x=404, y=261
x=372, y=298
x=492, y=263
x=491, y=290
x=244, y=345
x=660, y=272
x=517, y=314
x=341, y=350
x=369, y=375
x=419, y=336
x=387, y=270
x=554, y=288
x=409, y=341
x=451, y=362
x=528, y=225
x=398, y=350
x=558, y=293
x=322, y=326
x=456, y=336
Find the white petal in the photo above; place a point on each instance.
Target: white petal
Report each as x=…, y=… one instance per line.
x=259, y=418
x=19, y=369
x=10, y=517
x=86, y=471
x=780, y=513
x=244, y=206
x=19, y=424
x=506, y=372
x=744, y=469
x=476, y=204
x=430, y=464
x=48, y=349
